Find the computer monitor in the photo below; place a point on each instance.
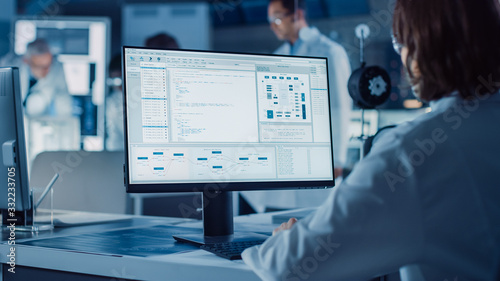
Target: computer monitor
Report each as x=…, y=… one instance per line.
x=212, y=122
x=14, y=191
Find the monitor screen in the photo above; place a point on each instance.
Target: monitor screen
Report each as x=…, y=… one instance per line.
x=14, y=193
x=241, y=121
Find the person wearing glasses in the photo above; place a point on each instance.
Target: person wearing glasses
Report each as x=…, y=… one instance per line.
x=287, y=19
x=43, y=83
x=425, y=200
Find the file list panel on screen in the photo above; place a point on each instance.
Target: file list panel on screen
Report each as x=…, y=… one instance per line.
x=154, y=102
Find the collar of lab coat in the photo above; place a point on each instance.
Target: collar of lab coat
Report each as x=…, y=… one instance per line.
x=446, y=102
x=307, y=37
x=309, y=34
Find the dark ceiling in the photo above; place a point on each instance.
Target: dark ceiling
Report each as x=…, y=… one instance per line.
x=224, y=12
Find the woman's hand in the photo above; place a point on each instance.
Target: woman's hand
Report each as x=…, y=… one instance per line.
x=285, y=225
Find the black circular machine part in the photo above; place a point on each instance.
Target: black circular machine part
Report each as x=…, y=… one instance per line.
x=369, y=87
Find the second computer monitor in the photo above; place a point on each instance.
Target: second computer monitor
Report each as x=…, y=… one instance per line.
x=14, y=189
x=234, y=121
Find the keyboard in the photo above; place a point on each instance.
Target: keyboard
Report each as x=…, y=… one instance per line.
x=230, y=250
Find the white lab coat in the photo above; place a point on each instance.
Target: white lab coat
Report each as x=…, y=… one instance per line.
x=425, y=201
x=50, y=95
x=114, y=122
x=312, y=43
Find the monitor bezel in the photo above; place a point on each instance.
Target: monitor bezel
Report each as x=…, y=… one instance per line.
x=217, y=185
x=22, y=187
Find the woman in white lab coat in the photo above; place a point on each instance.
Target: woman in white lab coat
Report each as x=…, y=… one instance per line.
x=426, y=199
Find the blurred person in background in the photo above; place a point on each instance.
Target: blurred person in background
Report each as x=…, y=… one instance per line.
x=50, y=124
x=114, y=101
x=161, y=41
x=287, y=19
x=43, y=83
x=114, y=107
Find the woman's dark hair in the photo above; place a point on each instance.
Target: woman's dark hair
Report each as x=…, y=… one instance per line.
x=456, y=44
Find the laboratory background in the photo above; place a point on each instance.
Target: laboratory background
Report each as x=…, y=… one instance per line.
x=85, y=38
x=249, y=140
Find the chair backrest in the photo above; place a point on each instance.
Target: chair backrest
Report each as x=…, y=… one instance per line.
x=88, y=181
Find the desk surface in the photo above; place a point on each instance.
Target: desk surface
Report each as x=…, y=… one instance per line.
x=183, y=263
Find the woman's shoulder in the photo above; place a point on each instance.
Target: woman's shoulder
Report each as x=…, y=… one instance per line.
x=405, y=135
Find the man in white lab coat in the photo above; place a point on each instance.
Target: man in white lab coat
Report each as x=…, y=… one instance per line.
x=287, y=19
x=43, y=83
x=425, y=200
x=46, y=99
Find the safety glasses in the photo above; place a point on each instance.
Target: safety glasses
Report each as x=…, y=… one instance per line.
x=396, y=45
x=278, y=19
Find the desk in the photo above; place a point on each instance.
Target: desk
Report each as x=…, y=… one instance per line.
x=44, y=263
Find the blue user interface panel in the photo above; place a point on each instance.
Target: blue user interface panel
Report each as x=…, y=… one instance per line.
x=198, y=117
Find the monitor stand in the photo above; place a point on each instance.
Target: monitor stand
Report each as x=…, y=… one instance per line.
x=24, y=220
x=21, y=221
x=218, y=224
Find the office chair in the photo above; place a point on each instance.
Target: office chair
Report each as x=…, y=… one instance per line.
x=88, y=181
